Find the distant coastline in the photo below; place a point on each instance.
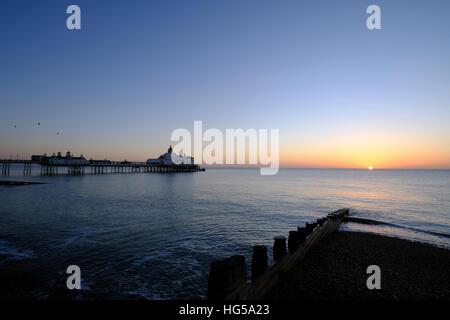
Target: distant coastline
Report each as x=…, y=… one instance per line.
x=18, y=183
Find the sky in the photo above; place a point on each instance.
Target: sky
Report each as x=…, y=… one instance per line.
x=341, y=95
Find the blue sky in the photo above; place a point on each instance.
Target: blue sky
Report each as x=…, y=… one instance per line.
x=140, y=69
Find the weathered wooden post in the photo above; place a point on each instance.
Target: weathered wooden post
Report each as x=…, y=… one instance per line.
x=309, y=228
x=293, y=241
x=225, y=276
x=321, y=221
x=259, y=261
x=279, y=248
x=301, y=234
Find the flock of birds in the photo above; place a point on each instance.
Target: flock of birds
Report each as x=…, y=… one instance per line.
x=39, y=124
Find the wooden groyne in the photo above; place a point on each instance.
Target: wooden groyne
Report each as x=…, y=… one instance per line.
x=228, y=277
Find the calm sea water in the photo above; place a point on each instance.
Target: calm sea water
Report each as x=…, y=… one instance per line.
x=153, y=236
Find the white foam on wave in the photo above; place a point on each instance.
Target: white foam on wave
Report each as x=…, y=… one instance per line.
x=82, y=235
x=402, y=233
x=144, y=285
x=13, y=253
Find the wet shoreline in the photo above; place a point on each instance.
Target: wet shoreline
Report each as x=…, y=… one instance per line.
x=336, y=270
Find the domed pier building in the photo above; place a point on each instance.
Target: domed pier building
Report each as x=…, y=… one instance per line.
x=171, y=159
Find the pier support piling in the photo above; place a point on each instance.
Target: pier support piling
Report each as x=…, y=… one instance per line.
x=5, y=168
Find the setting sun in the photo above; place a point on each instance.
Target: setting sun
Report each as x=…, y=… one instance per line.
x=370, y=168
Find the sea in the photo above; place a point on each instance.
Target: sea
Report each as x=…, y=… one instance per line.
x=154, y=235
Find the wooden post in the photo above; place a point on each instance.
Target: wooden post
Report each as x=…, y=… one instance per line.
x=279, y=248
x=259, y=261
x=225, y=276
x=309, y=228
x=321, y=221
x=301, y=234
x=293, y=241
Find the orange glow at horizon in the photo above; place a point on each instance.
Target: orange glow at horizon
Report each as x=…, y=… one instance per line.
x=358, y=151
x=362, y=153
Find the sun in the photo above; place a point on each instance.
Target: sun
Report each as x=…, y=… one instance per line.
x=370, y=168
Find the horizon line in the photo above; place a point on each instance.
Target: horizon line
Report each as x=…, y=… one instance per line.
x=330, y=168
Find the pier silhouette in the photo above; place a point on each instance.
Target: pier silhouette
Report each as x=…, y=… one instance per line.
x=93, y=167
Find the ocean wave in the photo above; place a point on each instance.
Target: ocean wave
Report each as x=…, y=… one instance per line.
x=11, y=252
x=381, y=223
x=83, y=235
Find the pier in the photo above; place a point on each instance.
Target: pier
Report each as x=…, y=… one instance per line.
x=96, y=168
